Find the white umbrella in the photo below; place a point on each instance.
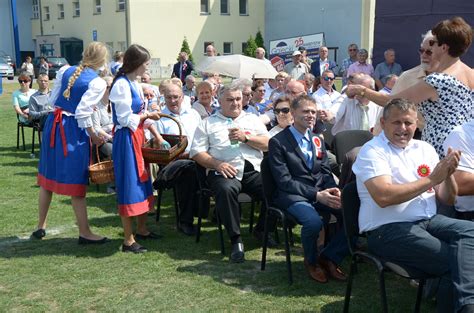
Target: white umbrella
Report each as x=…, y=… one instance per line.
x=237, y=66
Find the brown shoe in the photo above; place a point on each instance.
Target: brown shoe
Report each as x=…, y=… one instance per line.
x=315, y=272
x=332, y=269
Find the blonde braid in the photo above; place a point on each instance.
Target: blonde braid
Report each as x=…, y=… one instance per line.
x=72, y=80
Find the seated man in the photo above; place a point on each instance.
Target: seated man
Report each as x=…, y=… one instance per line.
x=38, y=105
x=399, y=180
x=186, y=184
x=306, y=188
x=462, y=138
x=230, y=145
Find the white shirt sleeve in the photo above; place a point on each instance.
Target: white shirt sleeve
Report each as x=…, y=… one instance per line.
x=57, y=86
x=458, y=139
x=201, y=139
x=89, y=100
x=121, y=96
x=371, y=162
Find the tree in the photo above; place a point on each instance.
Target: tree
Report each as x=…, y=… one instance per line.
x=251, y=47
x=185, y=48
x=259, y=40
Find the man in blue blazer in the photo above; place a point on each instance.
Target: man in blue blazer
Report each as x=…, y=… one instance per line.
x=306, y=188
x=183, y=68
x=322, y=63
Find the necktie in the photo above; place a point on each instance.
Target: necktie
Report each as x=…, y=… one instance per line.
x=364, y=124
x=183, y=70
x=307, y=151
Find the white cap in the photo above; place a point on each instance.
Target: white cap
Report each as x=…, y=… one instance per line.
x=296, y=53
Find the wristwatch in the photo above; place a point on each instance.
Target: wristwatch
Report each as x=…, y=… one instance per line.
x=362, y=93
x=246, y=138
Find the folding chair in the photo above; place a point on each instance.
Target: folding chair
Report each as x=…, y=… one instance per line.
x=21, y=126
x=346, y=140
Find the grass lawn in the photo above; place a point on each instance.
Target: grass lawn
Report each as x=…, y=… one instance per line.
x=56, y=274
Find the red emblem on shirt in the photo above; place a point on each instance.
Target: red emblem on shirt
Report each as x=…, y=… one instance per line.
x=317, y=142
x=424, y=170
x=317, y=145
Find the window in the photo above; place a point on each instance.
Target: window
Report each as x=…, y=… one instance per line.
x=46, y=13
x=76, y=9
x=225, y=7
x=97, y=7
x=243, y=7
x=60, y=11
x=205, y=7
x=227, y=48
x=35, y=9
x=244, y=46
x=121, y=6
x=110, y=45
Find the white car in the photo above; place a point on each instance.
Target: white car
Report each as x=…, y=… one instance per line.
x=6, y=70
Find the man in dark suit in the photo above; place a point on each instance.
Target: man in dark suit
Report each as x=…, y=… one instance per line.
x=322, y=63
x=183, y=68
x=306, y=188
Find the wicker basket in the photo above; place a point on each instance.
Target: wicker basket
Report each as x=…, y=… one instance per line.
x=160, y=156
x=101, y=172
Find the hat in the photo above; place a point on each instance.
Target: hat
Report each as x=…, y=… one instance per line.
x=296, y=53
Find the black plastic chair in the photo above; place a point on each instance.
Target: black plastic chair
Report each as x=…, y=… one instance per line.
x=287, y=220
x=20, y=126
x=346, y=140
x=206, y=193
x=351, y=206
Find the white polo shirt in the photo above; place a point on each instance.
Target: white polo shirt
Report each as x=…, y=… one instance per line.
x=324, y=100
x=189, y=120
x=462, y=138
x=379, y=157
x=212, y=136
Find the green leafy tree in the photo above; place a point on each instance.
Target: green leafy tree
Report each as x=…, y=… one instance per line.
x=251, y=47
x=259, y=40
x=185, y=48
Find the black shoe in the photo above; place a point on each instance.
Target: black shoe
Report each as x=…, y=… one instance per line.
x=134, y=248
x=85, y=241
x=151, y=235
x=187, y=229
x=271, y=243
x=39, y=233
x=237, y=255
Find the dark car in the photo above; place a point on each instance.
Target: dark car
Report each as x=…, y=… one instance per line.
x=55, y=63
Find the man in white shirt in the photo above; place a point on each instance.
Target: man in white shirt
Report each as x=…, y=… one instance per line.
x=399, y=179
x=356, y=113
x=230, y=145
x=186, y=183
x=462, y=138
x=326, y=96
x=296, y=69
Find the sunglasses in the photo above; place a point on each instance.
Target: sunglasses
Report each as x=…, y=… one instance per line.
x=353, y=49
x=432, y=42
x=282, y=110
x=428, y=52
x=327, y=78
x=148, y=95
x=21, y=81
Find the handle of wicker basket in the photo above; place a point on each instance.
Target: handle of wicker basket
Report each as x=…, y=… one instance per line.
x=97, y=153
x=174, y=120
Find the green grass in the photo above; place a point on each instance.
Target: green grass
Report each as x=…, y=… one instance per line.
x=56, y=274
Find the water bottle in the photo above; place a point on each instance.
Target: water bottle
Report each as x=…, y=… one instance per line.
x=232, y=125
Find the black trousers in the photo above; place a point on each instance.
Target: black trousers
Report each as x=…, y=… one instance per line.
x=227, y=190
x=187, y=186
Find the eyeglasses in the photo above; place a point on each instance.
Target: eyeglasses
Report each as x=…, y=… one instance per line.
x=428, y=52
x=247, y=94
x=353, y=49
x=327, y=78
x=431, y=42
x=23, y=81
x=148, y=95
x=282, y=110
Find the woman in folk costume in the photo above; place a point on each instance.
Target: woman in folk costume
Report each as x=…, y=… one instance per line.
x=67, y=135
x=132, y=177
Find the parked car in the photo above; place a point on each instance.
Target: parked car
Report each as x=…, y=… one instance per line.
x=55, y=63
x=8, y=60
x=6, y=70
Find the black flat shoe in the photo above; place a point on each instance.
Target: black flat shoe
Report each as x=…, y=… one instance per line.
x=39, y=233
x=151, y=235
x=85, y=241
x=271, y=243
x=187, y=229
x=134, y=248
x=237, y=255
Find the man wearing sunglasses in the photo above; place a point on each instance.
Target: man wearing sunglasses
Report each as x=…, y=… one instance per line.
x=326, y=96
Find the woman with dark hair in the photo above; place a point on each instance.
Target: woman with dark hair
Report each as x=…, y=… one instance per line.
x=281, y=108
x=445, y=98
x=21, y=98
x=67, y=133
x=132, y=177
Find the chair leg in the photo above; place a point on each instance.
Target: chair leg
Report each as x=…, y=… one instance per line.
x=383, y=293
x=265, y=243
x=252, y=212
x=39, y=138
x=158, y=205
x=33, y=142
x=221, y=233
x=287, y=251
x=176, y=207
x=347, y=298
x=18, y=136
x=23, y=137
x=419, y=295
x=200, y=205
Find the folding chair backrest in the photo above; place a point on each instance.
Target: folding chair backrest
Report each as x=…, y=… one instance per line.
x=346, y=140
x=350, y=211
x=269, y=185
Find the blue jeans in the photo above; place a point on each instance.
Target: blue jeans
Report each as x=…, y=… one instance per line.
x=438, y=246
x=307, y=215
